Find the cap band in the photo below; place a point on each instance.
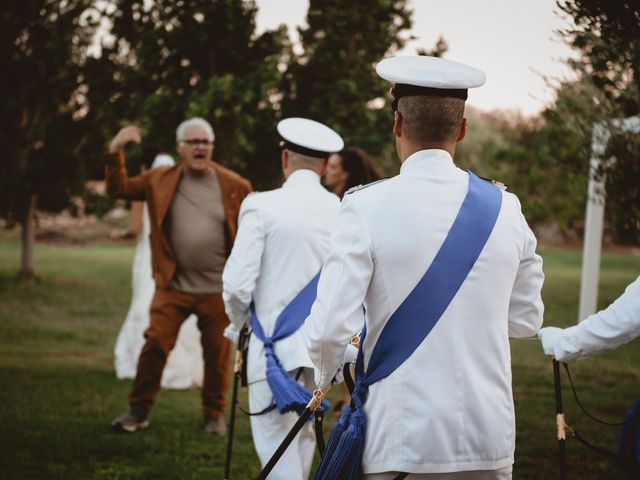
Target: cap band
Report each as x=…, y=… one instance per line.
x=400, y=90
x=284, y=144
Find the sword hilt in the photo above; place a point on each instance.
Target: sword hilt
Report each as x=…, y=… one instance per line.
x=237, y=364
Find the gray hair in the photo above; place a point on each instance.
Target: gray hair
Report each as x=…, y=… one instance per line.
x=195, y=121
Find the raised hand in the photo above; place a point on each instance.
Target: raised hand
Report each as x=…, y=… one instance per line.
x=130, y=133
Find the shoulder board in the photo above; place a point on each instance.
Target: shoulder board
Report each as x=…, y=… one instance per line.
x=362, y=187
x=500, y=185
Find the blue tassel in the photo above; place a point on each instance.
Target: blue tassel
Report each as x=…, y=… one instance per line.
x=345, y=461
x=334, y=438
x=288, y=394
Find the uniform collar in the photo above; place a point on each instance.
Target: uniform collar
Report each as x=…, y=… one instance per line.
x=427, y=159
x=302, y=177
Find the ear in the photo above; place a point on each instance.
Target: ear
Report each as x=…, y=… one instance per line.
x=463, y=130
x=323, y=170
x=397, y=124
x=284, y=157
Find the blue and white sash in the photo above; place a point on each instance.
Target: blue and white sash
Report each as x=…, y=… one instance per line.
x=417, y=314
x=288, y=394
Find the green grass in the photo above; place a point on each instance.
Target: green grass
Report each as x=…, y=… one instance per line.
x=58, y=392
x=606, y=384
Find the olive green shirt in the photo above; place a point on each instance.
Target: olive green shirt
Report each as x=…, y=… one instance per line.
x=196, y=232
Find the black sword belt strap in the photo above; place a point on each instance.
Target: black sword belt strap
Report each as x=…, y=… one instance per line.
x=314, y=404
x=605, y=453
x=273, y=405
x=245, y=356
x=574, y=433
x=261, y=412
x=317, y=423
x=584, y=410
x=348, y=379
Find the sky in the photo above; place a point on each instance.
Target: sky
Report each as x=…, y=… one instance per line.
x=512, y=41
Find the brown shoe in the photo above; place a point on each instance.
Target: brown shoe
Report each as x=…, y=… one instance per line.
x=130, y=421
x=216, y=425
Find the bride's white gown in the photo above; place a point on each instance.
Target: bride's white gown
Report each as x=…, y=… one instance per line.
x=185, y=367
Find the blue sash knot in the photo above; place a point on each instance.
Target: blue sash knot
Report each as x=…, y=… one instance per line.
x=288, y=394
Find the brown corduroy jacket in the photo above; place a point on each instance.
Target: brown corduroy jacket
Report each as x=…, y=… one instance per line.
x=157, y=188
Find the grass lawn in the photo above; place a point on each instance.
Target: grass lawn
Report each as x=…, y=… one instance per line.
x=58, y=391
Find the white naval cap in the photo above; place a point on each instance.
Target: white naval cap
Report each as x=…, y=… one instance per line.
x=309, y=137
x=423, y=75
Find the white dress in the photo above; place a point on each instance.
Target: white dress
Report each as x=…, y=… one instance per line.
x=184, y=367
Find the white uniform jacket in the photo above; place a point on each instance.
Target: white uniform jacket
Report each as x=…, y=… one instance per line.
x=283, y=239
x=617, y=324
x=449, y=407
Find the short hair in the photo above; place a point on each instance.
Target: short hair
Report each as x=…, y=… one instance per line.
x=298, y=161
x=431, y=119
x=195, y=121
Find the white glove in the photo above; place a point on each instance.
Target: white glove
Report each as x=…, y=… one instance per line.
x=549, y=336
x=232, y=333
x=350, y=355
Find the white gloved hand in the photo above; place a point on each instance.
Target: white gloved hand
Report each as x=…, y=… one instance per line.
x=350, y=355
x=549, y=336
x=232, y=333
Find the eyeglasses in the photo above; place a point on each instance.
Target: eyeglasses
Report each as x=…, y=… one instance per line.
x=193, y=142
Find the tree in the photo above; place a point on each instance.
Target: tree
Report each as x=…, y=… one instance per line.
x=441, y=47
x=526, y=154
x=607, y=35
x=624, y=208
x=333, y=80
x=43, y=44
x=172, y=60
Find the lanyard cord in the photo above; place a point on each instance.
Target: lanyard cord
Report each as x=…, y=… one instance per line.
x=592, y=417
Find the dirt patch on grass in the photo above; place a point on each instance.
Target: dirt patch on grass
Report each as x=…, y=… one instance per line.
x=66, y=229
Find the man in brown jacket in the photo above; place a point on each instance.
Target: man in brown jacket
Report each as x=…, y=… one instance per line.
x=193, y=210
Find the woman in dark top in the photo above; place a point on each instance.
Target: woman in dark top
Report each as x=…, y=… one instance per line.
x=349, y=168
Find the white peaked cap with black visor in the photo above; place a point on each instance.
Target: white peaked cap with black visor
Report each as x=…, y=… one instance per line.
x=422, y=75
x=308, y=137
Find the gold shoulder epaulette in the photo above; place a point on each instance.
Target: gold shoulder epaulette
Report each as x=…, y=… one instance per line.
x=362, y=187
x=500, y=185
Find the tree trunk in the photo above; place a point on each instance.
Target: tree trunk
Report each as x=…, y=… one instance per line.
x=28, y=236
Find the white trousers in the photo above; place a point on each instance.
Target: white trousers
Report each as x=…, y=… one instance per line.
x=501, y=474
x=269, y=430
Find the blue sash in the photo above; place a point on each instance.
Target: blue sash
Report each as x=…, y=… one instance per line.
x=288, y=394
x=417, y=314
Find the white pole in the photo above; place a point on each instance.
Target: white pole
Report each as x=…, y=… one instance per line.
x=594, y=221
x=593, y=226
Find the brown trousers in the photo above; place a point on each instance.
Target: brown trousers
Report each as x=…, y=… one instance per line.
x=169, y=309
